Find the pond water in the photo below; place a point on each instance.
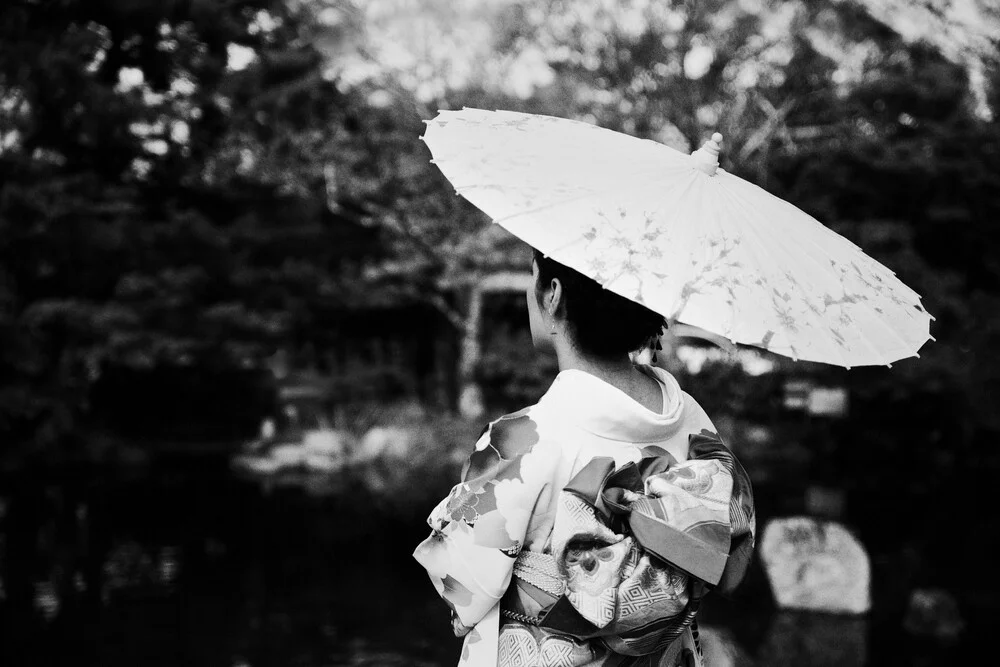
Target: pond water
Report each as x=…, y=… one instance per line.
x=190, y=565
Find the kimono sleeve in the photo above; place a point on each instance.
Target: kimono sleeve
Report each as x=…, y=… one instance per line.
x=480, y=528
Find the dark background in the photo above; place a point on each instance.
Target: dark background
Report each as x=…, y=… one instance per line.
x=187, y=237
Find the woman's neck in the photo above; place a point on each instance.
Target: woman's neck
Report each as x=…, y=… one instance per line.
x=620, y=373
x=605, y=369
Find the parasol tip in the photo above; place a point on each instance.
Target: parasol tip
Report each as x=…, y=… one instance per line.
x=706, y=158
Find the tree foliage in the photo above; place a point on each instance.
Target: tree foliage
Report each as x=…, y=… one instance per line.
x=160, y=203
x=199, y=182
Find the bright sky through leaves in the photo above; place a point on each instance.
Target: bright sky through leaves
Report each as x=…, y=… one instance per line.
x=434, y=45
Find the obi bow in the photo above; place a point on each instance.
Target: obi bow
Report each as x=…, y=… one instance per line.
x=635, y=548
x=693, y=515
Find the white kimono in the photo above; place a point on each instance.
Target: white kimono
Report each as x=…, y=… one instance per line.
x=538, y=574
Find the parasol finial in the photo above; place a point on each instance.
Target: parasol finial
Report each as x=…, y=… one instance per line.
x=706, y=158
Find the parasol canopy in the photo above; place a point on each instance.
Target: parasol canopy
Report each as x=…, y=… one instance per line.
x=681, y=236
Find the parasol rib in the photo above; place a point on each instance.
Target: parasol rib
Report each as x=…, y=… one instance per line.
x=822, y=324
x=767, y=257
x=895, y=334
x=583, y=197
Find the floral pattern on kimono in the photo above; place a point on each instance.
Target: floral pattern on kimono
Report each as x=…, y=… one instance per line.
x=479, y=529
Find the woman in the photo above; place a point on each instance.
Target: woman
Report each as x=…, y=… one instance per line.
x=588, y=527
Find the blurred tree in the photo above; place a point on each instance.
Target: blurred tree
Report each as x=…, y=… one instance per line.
x=786, y=82
x=910, y=173
x=438, y=247
x=674, y=72
x=184, y=182
x=158, y=202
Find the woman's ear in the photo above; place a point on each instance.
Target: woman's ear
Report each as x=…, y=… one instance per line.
x=554, y=297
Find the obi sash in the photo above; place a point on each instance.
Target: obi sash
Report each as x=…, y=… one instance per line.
x=635, y=549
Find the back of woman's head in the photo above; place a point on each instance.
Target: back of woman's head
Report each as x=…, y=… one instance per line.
x=601, y=323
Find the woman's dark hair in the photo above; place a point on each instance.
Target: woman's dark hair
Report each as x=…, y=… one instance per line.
x=602, y=323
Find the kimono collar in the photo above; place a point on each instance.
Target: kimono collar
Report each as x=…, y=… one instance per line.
x=604, y=410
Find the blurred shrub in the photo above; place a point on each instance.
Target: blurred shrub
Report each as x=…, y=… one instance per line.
x=933, y=613
x=409, y=458
x=181, y=403
x=512, y=373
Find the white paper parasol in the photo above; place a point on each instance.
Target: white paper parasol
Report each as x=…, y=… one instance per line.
x=679, y=235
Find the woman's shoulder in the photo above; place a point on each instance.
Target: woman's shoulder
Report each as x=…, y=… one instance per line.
x=508, y=438
x=693, y=413
x=514, y=433
x=695, y=416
